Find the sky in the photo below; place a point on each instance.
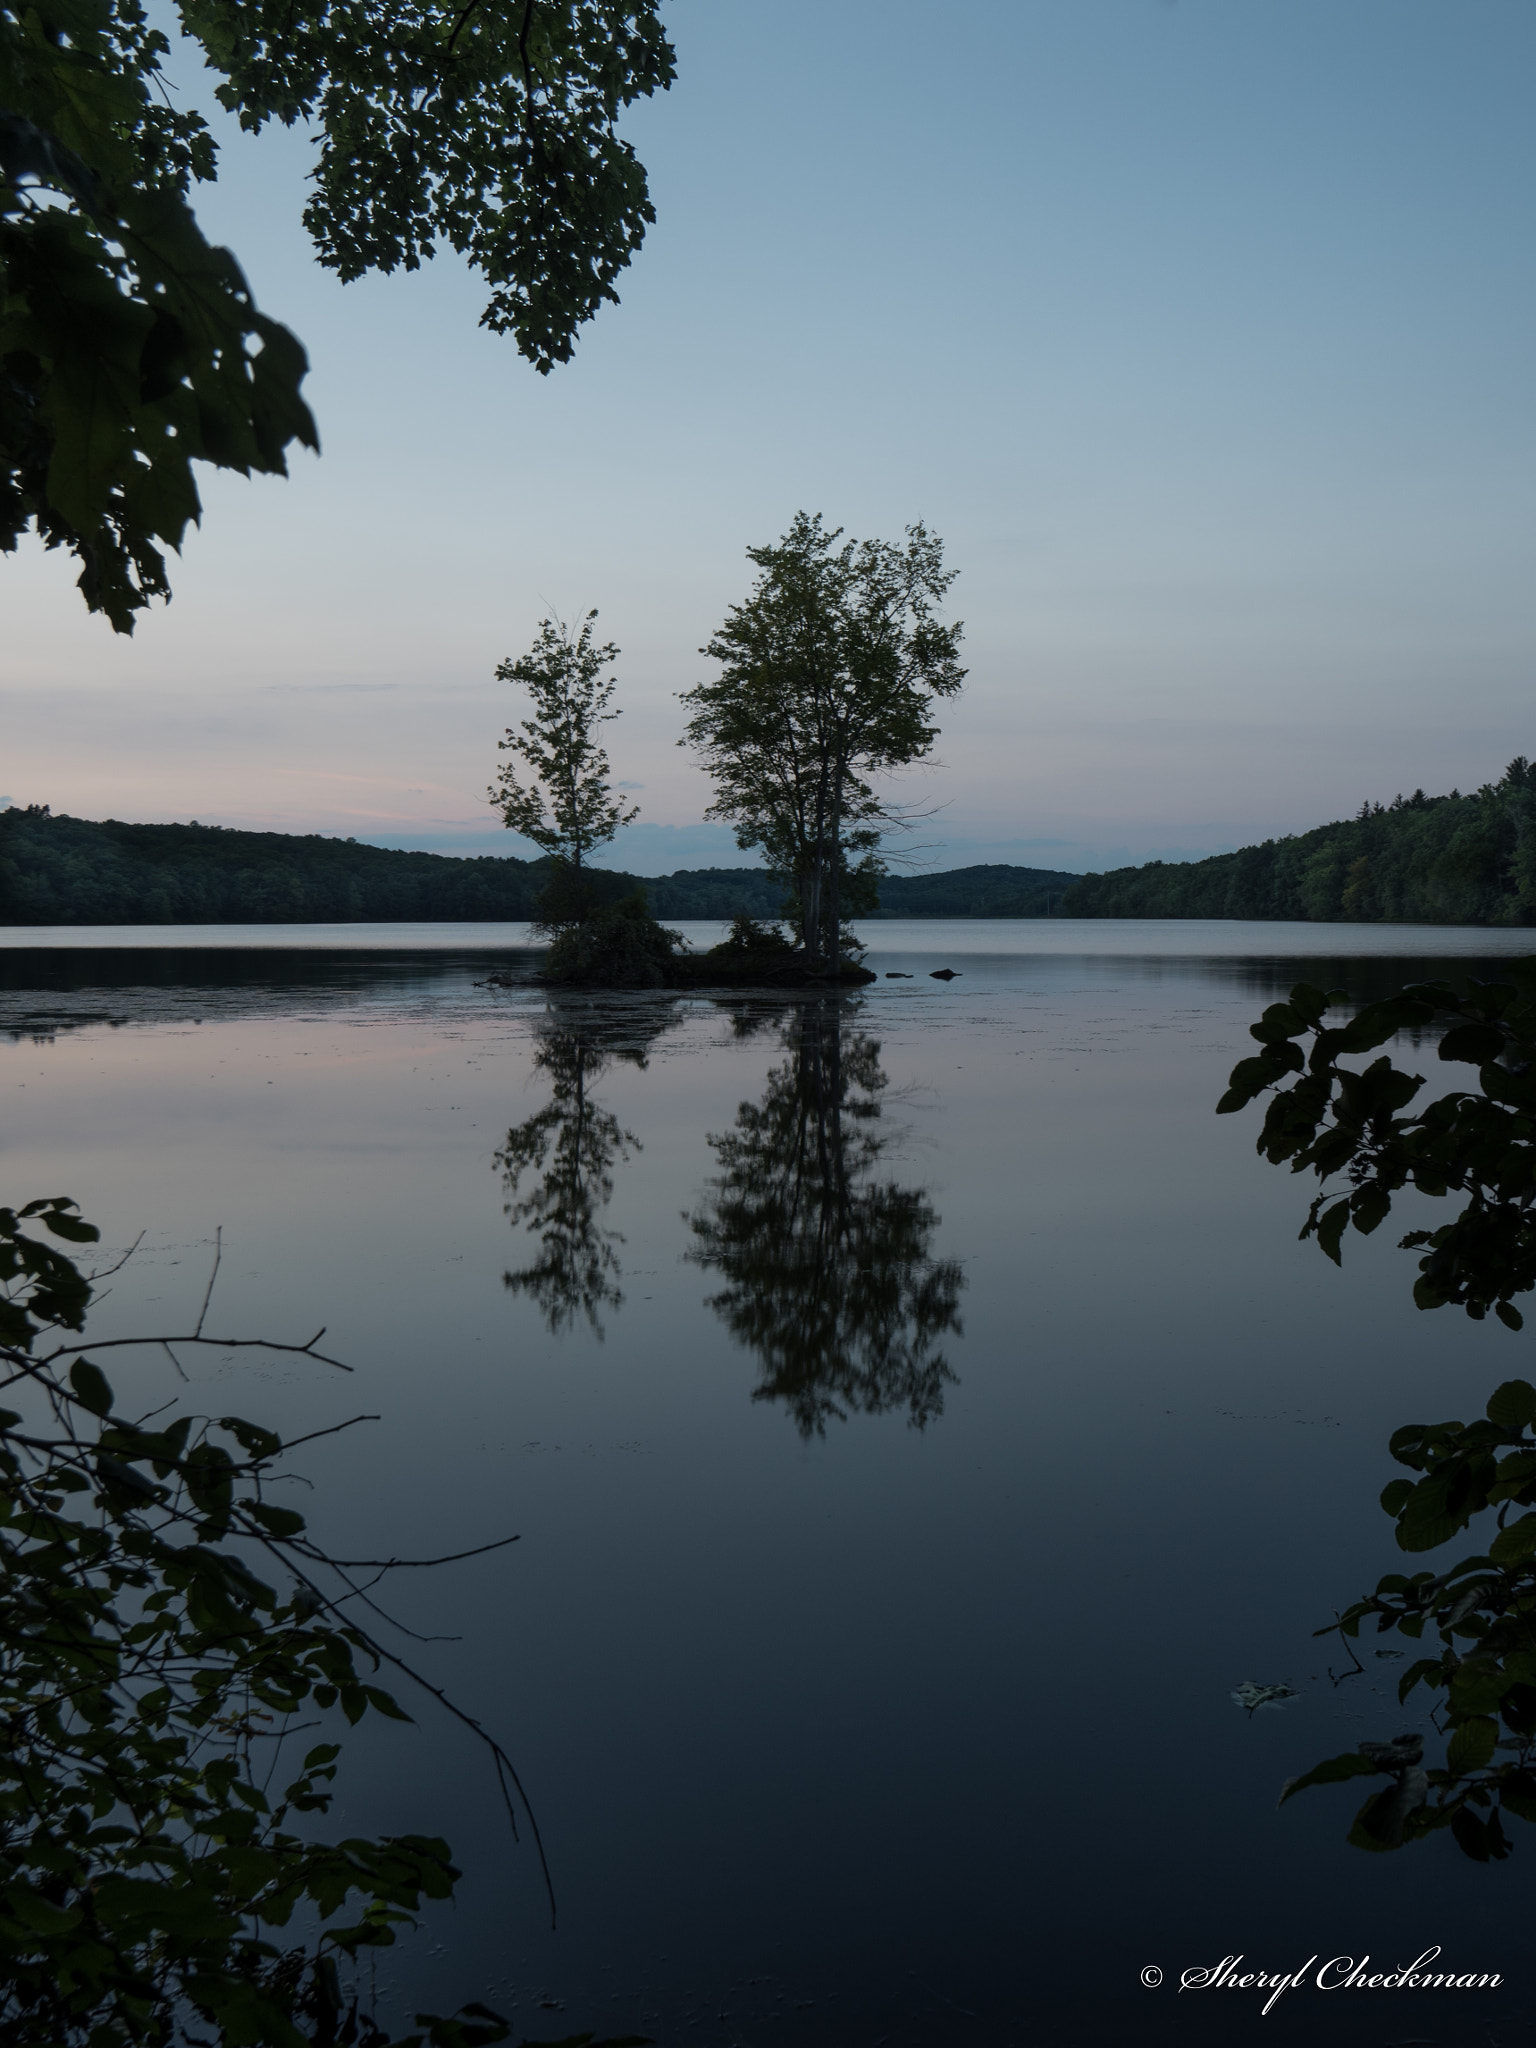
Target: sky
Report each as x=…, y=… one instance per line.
x=1200, y=330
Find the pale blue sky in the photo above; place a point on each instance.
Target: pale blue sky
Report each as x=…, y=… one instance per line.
x=1202, y=331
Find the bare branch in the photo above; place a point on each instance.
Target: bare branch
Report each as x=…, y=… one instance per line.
x=218, y=1253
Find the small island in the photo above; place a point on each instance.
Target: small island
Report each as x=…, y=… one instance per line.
x=620, y=945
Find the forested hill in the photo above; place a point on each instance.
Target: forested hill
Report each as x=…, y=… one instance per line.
x=1421, y=859
x=77, y=871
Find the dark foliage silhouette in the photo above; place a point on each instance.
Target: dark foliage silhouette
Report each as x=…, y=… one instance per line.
x=1368, y=1140
x=826, y=1258
x=557, y=1165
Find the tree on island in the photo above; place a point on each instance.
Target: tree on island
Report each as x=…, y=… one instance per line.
x=567, y=807
x=133, y=347
x=828, y=675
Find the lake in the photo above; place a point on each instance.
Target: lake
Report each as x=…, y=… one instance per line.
x=917, y=1415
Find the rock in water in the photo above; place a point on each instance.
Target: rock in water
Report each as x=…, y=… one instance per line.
x=895, y=974
x=943, y=974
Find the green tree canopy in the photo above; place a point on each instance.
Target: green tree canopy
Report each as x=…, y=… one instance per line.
x=828, y=675
x=130, y=347
x=568, y=807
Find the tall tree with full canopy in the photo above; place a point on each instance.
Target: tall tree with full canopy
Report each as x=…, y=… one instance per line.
x=828, y=676
x=567, y=806
x=131, y=347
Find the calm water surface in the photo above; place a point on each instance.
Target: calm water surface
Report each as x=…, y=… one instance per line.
x=917, y=1414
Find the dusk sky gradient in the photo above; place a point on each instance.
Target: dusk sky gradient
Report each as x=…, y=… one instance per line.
x=1201, y=330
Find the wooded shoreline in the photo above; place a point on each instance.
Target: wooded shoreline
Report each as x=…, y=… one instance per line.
x=68, y=871
x=1419, y=860
x=1423, y=860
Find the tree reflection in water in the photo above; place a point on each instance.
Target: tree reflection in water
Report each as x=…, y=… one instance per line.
x=827, y=1266
x=557, y=1167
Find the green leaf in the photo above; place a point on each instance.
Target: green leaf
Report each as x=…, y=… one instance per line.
x=1476, y=1838
x=121, y=1478
x=90, y=1383
x=1330, y=1229
x=1309, y=1003
x=1475, y=1043
x=1477, y=1687
x=1509, y=1315
x=277, y=1521
x=1332, y=1772
x=1280, y=1021
x=1382, y=1822
x=1395, y=1496
x=1472, y=1745
x=63, y=1223
x=1513, y=1405
x=38, y=1914
x=1517, y=1792
x=1516, y=1543
x=385, y=1703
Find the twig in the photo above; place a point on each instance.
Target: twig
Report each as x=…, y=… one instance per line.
x=396, y=1564
x=217, y=1343
x=218, y=1253
x=106, y=1272
x=505, y=1768
x=334, y=1429
x=1359, y=1670
x=463, y=17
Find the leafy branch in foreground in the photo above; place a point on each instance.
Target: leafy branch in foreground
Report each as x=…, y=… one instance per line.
x=1477, y=1144
x=152, y=1838
x=1483, y=1611
x=130, y=346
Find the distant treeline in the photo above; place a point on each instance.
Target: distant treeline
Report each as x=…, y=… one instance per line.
x=77, y=871
x=1420, y=859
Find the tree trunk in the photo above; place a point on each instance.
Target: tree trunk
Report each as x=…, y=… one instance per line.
x=810, y=910
x=834, y=900
x=817, y=881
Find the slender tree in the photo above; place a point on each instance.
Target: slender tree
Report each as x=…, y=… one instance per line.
x=828, y=675
x=567, y=807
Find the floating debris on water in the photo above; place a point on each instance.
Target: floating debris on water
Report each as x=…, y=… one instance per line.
x=1250, y=1695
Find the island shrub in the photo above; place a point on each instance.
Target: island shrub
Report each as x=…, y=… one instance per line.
x=619, y=945
x=748, y=936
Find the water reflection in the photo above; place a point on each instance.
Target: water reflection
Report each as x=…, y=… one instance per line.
x=557, y=1166
x=826, y=1262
